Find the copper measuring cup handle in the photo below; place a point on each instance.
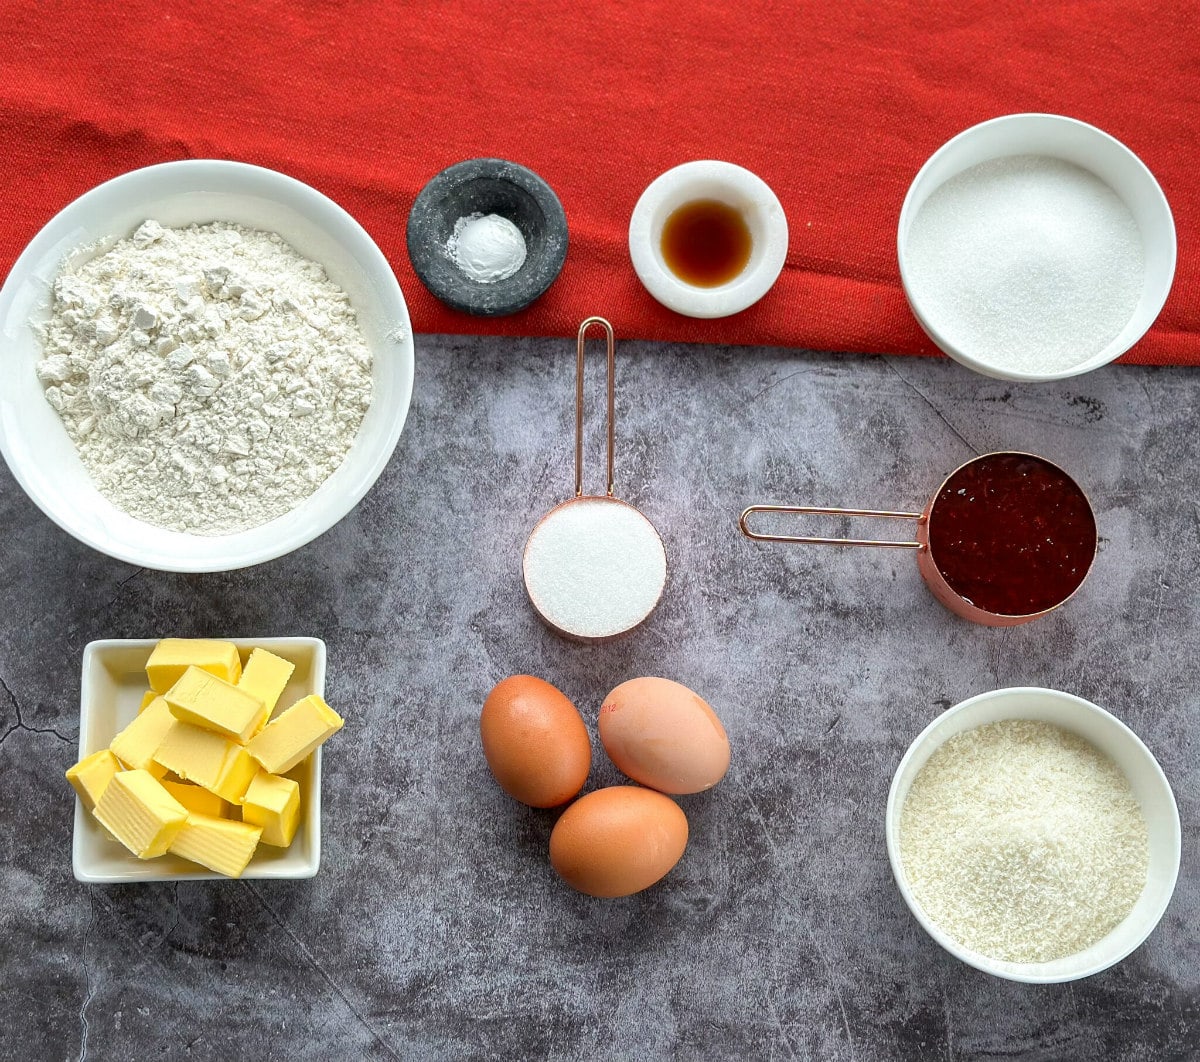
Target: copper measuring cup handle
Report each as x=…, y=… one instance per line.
x=824, y=511
x=610, y=344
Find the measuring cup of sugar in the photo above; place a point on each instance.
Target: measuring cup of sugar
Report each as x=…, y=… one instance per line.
x=1007, y=537
x=594, y=566
x=1035, y=247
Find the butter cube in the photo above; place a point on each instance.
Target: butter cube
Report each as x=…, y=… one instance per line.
x=198, y=799
x=136, y=744
x=274, y=804
x=285, y=741
x=173, y=656
x=265, y=676
x=148, y=698
x=206, y=758
x=205, y=700
x=219, y=844
x=91, y=775
x=140, y=813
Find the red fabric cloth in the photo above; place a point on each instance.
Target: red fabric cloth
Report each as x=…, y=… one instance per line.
x=835, y=105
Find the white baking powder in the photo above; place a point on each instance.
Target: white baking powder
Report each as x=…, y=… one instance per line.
x=486, y=247
x=1027, y=263
x=210, y=377
x=595, y=568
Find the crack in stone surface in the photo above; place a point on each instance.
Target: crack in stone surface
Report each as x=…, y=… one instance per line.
x=20, y=724
x=924, y=398
x=174, y=925
x=772, y=385
x=121, y=586
x=314, y=964
x=90, y=992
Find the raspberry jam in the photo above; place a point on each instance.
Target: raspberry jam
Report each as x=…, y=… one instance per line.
x=1012, y=534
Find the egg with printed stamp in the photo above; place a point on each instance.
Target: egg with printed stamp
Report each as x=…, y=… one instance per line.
x=663, y=735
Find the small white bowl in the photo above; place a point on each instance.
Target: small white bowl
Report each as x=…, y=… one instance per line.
x=1110, y=736
x=1052, y=136
x=727, y=183
x=32, y=438
x=114, y=679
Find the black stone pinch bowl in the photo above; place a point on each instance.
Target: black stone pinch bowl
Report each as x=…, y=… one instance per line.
x=487, y=186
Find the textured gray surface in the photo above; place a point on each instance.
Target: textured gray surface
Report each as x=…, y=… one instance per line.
x=435, y=928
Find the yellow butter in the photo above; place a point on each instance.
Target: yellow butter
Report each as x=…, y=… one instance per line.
x=140, y=813
x=205, y=700
x=91, y=775
x=148, y=699
x=198, y=799
x=219, y=844
x=173, y=656
x=285, y=741
x=136, y=744
x=206, y=758
x=265, y=676
x=274, y=804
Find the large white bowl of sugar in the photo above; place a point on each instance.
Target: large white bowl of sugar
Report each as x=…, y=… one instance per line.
x=1035, y=247
x=1027, y=841
x=35, y=444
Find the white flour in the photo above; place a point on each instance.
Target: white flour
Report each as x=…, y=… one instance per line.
x=210, y=377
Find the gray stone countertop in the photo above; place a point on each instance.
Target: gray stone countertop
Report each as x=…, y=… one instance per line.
x=436, y=928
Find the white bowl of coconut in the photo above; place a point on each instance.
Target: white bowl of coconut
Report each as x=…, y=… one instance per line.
x=1033, y=835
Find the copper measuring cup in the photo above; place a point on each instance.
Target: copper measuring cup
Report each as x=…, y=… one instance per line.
x=930, y=538
x=595, y=571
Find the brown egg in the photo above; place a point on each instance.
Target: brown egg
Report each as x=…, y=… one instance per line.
x=618, y=841
x=535, y=742
x=663, y=735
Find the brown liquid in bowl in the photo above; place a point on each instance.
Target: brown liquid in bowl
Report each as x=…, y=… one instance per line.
x=1012, y=534
x=706, y=243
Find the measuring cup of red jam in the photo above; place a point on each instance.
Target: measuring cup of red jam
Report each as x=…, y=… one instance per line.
x=1007, y=538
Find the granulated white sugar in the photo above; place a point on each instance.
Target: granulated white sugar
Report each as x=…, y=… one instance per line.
x=1023, y=842
x=595, y=568
x=1027, y=263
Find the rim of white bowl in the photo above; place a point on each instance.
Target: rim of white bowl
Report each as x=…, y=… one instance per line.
x=999, y=968
x=708, y=179
x=373, y=262
x=999, y=372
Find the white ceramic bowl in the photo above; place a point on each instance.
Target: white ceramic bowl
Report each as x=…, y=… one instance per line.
x=32, y=438
x=1053, y=136
x=114, y=679
x=729, y=184
x=1150, y=787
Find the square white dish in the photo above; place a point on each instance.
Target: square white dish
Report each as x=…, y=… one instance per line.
x=114, y=680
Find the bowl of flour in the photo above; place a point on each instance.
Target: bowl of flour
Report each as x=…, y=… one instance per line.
x=208, y=364
x=1035, y=247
